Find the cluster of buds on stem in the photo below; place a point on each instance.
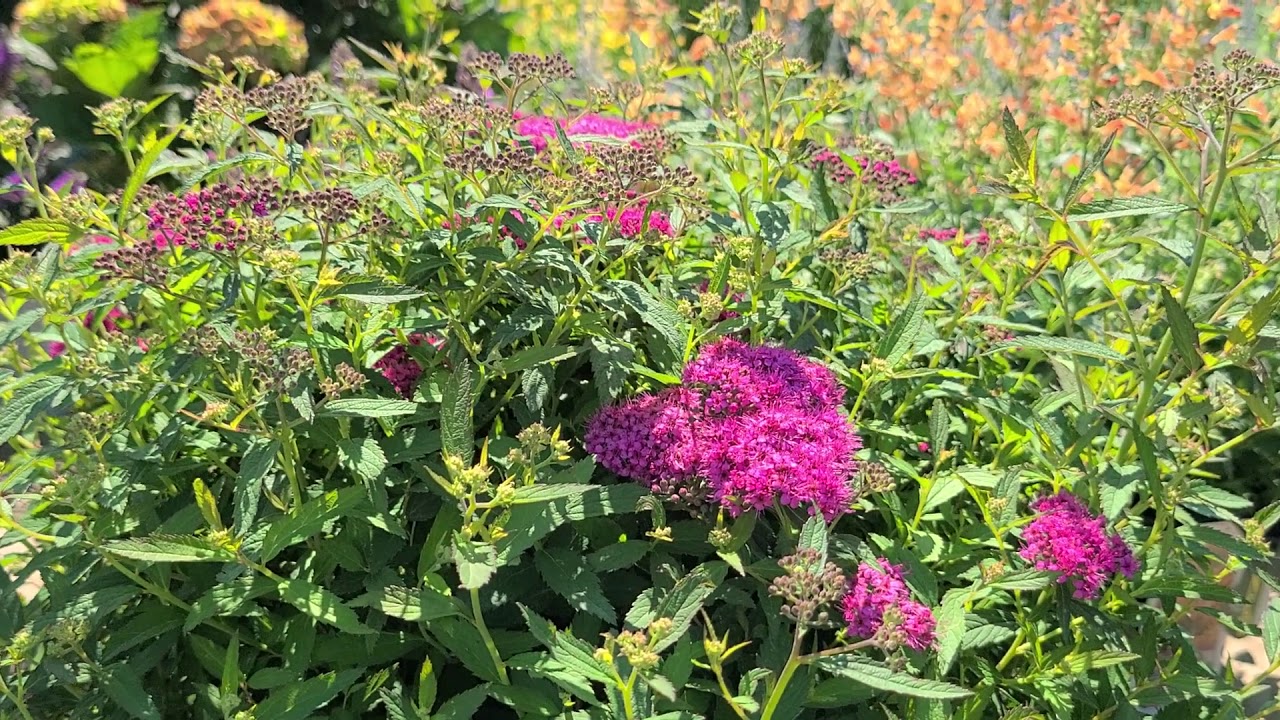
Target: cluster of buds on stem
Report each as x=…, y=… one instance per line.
x=808, y=587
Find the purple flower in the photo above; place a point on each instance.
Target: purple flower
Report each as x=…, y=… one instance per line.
x=874, y=591
x=750, y=427
x=400, y=368
x=885, y=179
x=214, y=216
x=1067, y=539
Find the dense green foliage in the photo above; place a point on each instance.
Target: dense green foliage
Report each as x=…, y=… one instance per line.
x=245, y=501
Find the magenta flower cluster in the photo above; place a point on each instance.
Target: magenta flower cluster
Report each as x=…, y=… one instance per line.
x=884, y=179
x=630, y=221
x=212, y=217
x=750, y=426
x=400, y=368
x=945, y=235
x=877, y=589
x=541, y=130
x=1067, y=539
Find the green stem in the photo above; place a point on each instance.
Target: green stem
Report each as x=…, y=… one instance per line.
x=788, y=671
x=16, y=699
x=478, y=616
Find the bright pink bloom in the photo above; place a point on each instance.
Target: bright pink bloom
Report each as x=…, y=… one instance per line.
x=760, y=424
x=876, y=589
x=1067, y=539
x=945, y=235
x=541, y=130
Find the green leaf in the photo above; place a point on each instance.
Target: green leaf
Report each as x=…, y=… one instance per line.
x=254, y=466
x=217, y=167
x=364, y=457
x=610, y=367
x=124, y=687
x=902, y=335
x=1078, y=183
x=1077, y=663
x=208, y=504
x=322, y=605
x=309, y=520
x=228, y=599
x=377, y=293
x=681, y=604
x=939, y=426
x=15, y=414
x=140, y=174
x=522, y=321
x=1247, y=329
x=111, y=70
x=879, y=677
x=566, y=649
x=813, y=536
x=568, y=575
x=534, y=356
x=1015, y=140
x=414, y=605
x=547, y=493
x=427, y=686
x=476, y=562
x=456, y=407
x=950, y=629
x=462, y=706
x=368, y=407
x=1119, y=207
x=774, y=222
x=1271, y=629
x=36, y=231
x=655, y=313
x=300, y=700
x=169, y=548
x=1185, y=338
x=1023, y=580
x=1058, y=346
x=530, y=522
x=14, y=329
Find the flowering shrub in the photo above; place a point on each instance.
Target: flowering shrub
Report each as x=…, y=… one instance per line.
x=406, y=415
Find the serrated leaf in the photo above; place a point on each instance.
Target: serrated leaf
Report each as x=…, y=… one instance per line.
x=124, y=687
x=1119, y=207
x=610, y=366
x=309, y=520
x=1271, y=629
x=368, y=407
x=534, y=356
x=254, y=466
x=547, y=493
x=522, y=321
x=217, y=167
x=476, y=562
x=17, y=412
x=1095, y=660
x=207, y=504
x=1185, y=338
x=939, y=426
x=774, y=223
x=813, y=536
x=140, y=174
x=568, y=575
x=950, y=629
x=879, y=677
x=298, y=701
x=321, y=604
x=902, y=335
x=14, y=329
x=373, y=292
x=530, y=522
x=1078, y=183
x=1023, y=580
x=656, y=314
x=1059, y=345
x=456, y=406
x=565, y=648
x=1247, y=329
x=169, y=548
x=1014, y=139
x=363, y=456
x=414, y=605
x=680, y=604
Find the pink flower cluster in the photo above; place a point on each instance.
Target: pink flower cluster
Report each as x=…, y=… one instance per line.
x=541, y=130
x=945, y=235
x=209, y=216
x=875, y=590
x=884, y=178
x=631, y=221
x=400, y=368
x=1067, y=539
x=749, y=426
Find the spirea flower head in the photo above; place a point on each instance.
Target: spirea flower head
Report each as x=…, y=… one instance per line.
x=885, y=178
x=541, y=130
x=878, y=605
x=399, y=366
x=1067, y=539
x=218, y=216
x=945, y=235
x=750, y=426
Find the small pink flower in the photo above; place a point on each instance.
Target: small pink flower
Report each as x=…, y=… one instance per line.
x=875, y=590
x=923, y=447
x=1067, y=539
